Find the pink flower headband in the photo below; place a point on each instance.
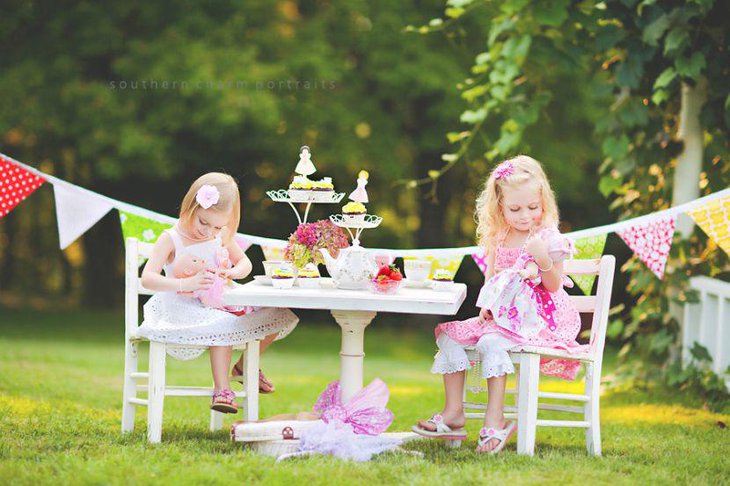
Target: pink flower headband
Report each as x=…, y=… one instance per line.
x=207, y=196
x=505, y=169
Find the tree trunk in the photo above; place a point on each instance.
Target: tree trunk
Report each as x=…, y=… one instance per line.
x=689, y=162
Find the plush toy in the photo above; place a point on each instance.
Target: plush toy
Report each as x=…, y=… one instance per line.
x=188, y=265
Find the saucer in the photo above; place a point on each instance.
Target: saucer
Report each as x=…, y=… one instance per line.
x=262, y=279
x=415, y=284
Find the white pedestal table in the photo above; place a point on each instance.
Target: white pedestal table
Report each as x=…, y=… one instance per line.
x=353, y=310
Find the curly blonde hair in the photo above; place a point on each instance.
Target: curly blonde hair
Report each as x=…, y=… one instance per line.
x=229, y=201
x=489, y=217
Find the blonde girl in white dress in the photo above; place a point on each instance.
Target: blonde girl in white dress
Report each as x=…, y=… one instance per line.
x=209, y=217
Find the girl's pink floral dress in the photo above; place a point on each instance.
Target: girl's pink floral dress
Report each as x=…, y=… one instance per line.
x=524, y=312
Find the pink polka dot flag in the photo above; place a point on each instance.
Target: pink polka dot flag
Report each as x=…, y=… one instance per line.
x=651, y=242
x=16, y=184
x=481, y=260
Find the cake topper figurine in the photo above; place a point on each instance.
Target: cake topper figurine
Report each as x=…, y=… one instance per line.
x=305, y=166
x=360, y=194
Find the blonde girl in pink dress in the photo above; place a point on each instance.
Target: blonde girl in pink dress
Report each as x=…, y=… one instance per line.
x=209, y=217
x=522, y=301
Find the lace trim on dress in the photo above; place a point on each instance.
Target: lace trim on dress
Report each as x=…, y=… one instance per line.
x=442, y=365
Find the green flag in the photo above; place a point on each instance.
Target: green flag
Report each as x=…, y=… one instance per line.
x=590, y=247
x=144, y=229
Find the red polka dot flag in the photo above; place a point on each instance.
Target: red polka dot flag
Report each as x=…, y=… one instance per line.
x=16, y=184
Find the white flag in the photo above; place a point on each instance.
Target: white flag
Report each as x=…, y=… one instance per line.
x=77, y=210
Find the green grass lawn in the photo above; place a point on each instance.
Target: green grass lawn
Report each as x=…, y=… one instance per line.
x=60, y=410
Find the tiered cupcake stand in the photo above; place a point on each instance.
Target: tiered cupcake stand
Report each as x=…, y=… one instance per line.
x=282, y=196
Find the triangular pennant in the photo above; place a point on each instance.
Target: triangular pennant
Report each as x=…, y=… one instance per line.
x=651, y=241
x=243, y=242
x=714, y=219
x=590, y=247
x=480, y=259
x=77, y=210
x=144, y=229
x=16, y=184
x=272, y=253
x=450, y=263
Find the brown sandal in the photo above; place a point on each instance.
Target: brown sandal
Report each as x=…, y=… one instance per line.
x=224, y=401
x=265, y=386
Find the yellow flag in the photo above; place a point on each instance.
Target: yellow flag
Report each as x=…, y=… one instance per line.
x=714, y=219
x=272, y=253
x=450, y=263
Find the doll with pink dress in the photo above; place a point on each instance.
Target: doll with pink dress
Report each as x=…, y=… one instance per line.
x=514, y=296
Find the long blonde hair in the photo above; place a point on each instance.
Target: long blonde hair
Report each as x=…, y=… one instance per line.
x=229, y=201
x=490, y=220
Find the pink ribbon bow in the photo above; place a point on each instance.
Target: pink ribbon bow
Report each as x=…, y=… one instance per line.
x=365, y=412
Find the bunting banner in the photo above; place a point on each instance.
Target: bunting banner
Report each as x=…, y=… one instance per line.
x=16, y=184
x=243, y=242
x=590, y=247
x=714, y=219
x=480, y=258
x=76, y=212
x=649, y=236
x=651, y=242
x=273, y=253
x=450, y=263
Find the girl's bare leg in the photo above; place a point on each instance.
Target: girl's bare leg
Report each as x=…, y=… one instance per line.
x=264, y=384
x=453, y=412
x=494, y=416
x=220, y=360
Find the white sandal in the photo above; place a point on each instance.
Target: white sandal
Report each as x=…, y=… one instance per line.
x=502, y=435
x=442, y=431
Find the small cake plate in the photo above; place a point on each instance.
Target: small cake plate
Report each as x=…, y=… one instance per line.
x=262, y=279
x=413, y=284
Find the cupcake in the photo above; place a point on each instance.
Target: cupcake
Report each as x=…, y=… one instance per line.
x=354, y=212
x=442, y=280
x=323, y=190
x=301, y=188
x=282, y=278
x=308, y=277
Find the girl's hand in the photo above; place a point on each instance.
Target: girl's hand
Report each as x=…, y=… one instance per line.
x=200, y=281
x=530, y=272
x=485, y=315
x=537, y=248
x=226, y=273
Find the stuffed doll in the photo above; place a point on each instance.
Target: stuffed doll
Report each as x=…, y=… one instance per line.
x=188, y=265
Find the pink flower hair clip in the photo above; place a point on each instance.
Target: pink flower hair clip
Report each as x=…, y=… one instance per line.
x=207, y=196
x=505, y=169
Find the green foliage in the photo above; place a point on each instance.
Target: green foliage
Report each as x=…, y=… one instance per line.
x=88, y=95
x=632, y=59
x=697, y=377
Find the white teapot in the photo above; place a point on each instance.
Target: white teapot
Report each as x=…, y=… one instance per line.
x=353, y=267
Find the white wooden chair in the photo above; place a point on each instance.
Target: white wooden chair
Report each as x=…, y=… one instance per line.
x=153, y=381
x=528, y=373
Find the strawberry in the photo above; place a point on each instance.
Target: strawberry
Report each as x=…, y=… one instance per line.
x=384, y=270
x=395, y=273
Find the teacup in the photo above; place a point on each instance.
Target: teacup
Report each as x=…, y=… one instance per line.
x=271, y=265
x=417, y=270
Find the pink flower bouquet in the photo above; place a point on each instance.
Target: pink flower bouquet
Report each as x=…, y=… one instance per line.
x=305, y=243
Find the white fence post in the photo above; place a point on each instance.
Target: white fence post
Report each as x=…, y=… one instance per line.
x=706, y=323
